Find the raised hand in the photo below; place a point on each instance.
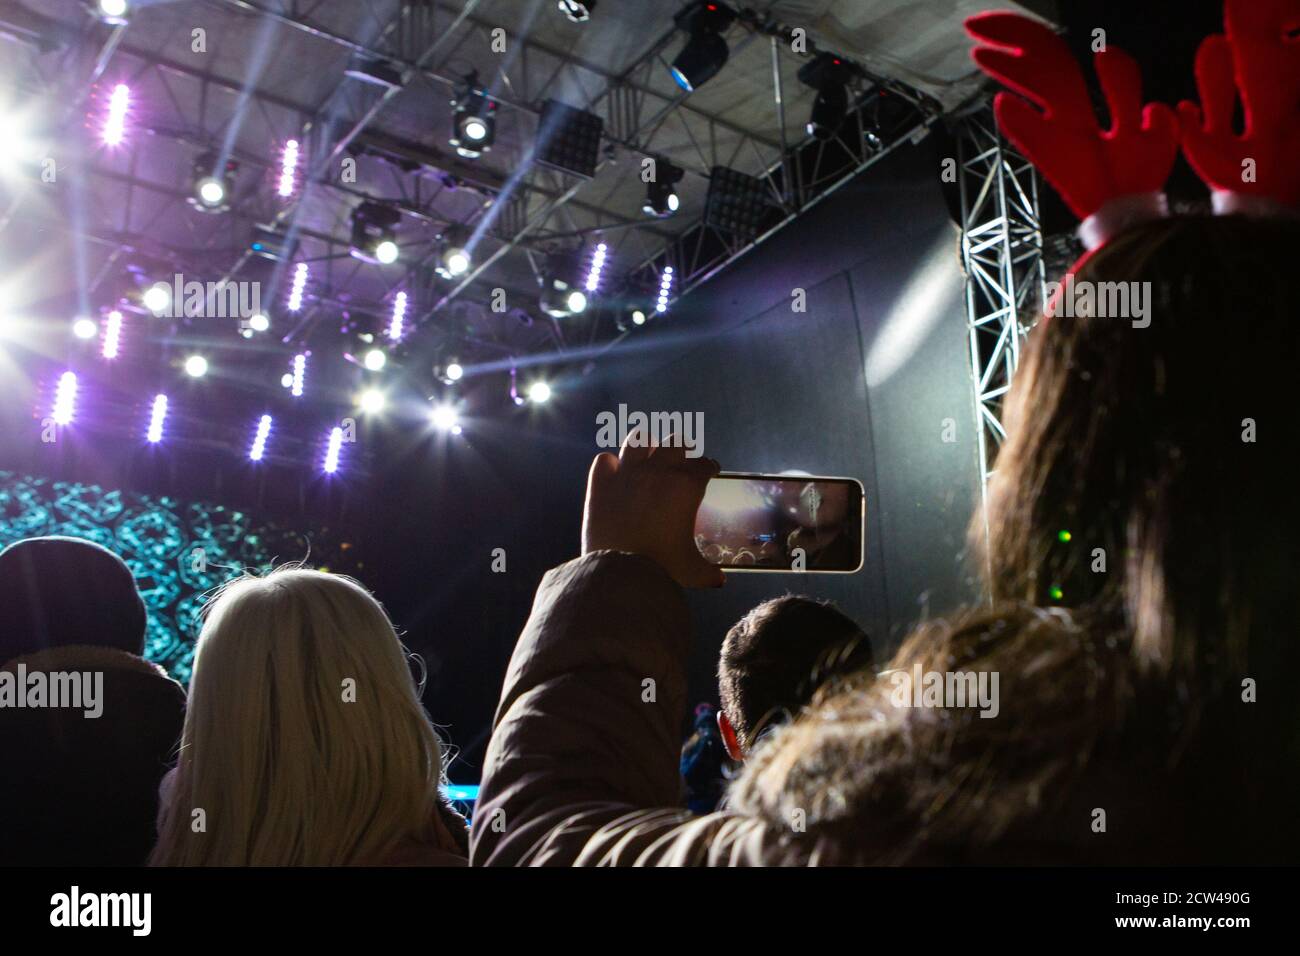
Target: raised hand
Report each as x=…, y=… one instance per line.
x=644, y=501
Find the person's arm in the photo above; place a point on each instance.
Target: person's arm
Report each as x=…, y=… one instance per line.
x=583, y=762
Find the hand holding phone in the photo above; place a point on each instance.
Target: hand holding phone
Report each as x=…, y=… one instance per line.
x=644, y=501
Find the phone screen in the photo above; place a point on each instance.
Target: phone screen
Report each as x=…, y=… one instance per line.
x=782, y=523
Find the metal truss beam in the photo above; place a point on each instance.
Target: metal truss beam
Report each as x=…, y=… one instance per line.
x=804, y=176
x=624, y=101
x=1002, y=251
x=178, y=126
x=637, y=118
x=532, y=51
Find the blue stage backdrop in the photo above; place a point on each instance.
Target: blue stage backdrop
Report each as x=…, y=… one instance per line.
x=177, y=550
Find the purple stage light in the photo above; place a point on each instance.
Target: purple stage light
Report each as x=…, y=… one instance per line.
x=299, y=375
x=112, y=335
x=298, y=288
x=115, y=122
x=288, y=168
x=597, y=264
x=65, y=398
x=331, y=464
x=259, y=440
x=156, y=419
x=665, y=286
x=399, y=316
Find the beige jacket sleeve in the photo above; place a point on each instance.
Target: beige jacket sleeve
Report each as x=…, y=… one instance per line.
x=582, y=767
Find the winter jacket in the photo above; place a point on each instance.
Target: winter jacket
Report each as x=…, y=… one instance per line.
x=1088, y=760
x=83, y=791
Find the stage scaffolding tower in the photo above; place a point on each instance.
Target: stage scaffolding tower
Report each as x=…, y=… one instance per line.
x=1002, y=253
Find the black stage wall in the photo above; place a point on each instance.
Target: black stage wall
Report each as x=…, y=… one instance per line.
x=864, y=383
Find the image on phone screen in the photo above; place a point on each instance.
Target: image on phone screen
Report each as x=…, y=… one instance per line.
x=782, y=523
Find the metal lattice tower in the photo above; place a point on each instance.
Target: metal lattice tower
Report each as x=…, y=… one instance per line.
x=1002, y=252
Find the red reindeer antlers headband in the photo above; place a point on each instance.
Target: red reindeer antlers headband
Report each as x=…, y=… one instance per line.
x=1116, y=177
x=1260, y=59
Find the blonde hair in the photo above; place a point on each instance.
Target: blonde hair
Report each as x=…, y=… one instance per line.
x=305, y=742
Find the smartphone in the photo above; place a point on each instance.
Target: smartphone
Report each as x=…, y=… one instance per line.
x=789, y=522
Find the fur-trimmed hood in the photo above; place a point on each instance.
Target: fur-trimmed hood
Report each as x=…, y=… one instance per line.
x=84, y=657
x=82, y=792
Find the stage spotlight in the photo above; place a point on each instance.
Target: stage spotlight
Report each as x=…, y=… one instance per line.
x=288, y=169
x=65, y=399
x=371, y=401
x=539, y=393
x=579, y=11
x=114, y=12
x=213, y=182
x=374, y=233
x=299, y=287
x=259, y=322
x=332, y=450
x=561, y=296
x=631, y=318
x=85, y=328
x=662, y=198
x=286, y=380
x=259, y=438
x=445, y=419
x=399, y=317
x=158, y=298
x=705, y=52
x=829, y=76
x=665, y=287
x=884, y=116
x=473, y=123
x=375, y=359
x=453, y=257
x=872, y=134
x=156, y=418
x=449, y=373
x=299, y=375
x=828, y=112
x=211, y=191
x=597, y=266
x=270, y=242
x=196, y=366
x=456, y=261
x=119, y=103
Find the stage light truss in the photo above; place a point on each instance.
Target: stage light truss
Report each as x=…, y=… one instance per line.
x=1002, y=252
x=421, y=40
x=813, y=169
x=796, y=174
